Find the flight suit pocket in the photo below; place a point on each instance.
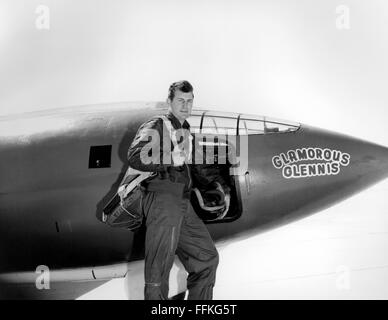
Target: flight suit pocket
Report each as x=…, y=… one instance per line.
x=148, y=200
x=165, y=210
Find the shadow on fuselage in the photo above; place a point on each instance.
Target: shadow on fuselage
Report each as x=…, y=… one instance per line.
x=137, y=251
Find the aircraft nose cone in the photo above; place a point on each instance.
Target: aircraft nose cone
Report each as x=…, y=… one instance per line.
x=369, y=159
x=384, y=159
x=367, y=165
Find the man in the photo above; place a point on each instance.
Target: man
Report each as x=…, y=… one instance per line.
x=172, y=225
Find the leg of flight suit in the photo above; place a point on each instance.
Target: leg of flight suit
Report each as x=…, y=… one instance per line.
x=164, y=214
x=199, y=256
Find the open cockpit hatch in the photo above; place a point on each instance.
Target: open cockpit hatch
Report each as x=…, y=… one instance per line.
x=221, y=139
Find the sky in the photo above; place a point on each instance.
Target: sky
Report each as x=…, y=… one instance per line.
x=318, y=62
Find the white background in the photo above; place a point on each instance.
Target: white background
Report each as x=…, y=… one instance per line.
x=279, y=58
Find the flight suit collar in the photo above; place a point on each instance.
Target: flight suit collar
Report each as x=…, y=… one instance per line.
x=176, y=123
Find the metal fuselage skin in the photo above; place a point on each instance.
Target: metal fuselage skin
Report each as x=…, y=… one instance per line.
x=50, y=199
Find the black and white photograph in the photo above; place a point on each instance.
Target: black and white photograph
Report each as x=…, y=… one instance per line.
x=193, y=150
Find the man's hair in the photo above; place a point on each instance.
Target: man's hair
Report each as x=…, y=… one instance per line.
x=183, y=86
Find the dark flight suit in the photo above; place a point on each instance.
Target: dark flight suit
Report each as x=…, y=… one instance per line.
x=172, y=225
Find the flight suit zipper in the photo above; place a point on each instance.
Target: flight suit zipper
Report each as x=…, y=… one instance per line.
x=172, y=239
x=187, y=166
x=173, y=231
x=189, y=176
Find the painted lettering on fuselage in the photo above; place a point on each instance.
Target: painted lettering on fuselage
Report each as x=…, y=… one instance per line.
x=310, y=162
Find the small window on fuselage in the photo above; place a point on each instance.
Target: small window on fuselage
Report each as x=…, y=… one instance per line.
x=100, y=157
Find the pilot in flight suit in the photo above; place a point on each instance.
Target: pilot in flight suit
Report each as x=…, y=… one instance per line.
x=172, y=226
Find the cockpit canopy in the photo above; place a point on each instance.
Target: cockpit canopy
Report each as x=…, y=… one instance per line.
x=227, y=123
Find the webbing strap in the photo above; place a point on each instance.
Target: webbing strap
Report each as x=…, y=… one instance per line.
x=153, y=284
x=174, y=141
x=170, y=129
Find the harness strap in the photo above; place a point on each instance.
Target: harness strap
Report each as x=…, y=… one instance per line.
x=174, y=141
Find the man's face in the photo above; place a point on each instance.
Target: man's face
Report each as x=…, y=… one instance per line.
x=181, y=105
